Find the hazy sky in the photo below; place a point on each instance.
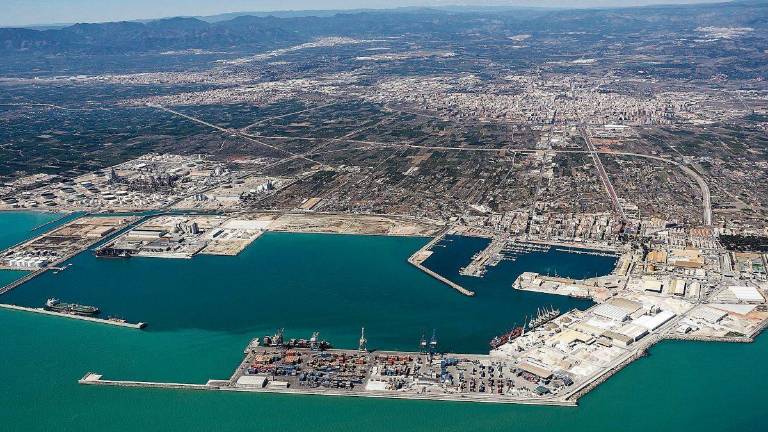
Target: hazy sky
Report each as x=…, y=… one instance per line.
x=28, y=12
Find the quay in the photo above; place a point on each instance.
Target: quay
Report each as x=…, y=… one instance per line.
x=95, y=379
x=362, y=373
x=588, y=252
x=137, y=326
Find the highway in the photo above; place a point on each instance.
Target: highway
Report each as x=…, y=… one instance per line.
x=603, y=175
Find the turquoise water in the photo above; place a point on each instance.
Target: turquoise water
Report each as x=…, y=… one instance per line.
x=303, y=282
x=18, y=226
x=334, y=284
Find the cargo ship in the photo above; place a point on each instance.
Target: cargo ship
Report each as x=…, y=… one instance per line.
x=543, y=316
x=314, y=342
x=507, y=337
x=55, y=305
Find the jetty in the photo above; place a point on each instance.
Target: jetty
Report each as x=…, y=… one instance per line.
x=24, y=279
x=425, y=252
x=137, y=326
x=489, y=256
x=54, y=222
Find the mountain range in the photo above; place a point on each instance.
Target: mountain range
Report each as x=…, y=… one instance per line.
x=261, y=30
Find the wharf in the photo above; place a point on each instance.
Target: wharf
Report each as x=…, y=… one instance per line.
x=83, y=243
x=95, y=379
x=137, y=326
x=484, y=258
x=370, y=365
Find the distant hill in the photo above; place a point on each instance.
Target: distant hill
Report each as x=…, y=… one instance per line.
x=267, y=30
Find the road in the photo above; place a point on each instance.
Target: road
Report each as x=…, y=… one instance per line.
x=603, y=175
x=233, y=132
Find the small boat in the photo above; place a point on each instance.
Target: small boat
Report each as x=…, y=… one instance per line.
x=543, y=316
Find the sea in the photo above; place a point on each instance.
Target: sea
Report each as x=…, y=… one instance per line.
x=203, y=311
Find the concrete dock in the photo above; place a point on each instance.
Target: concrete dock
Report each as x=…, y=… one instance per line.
x=451, y=284
x=137, y=326
x=95, y=379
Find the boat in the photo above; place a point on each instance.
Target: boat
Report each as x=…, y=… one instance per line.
x=506, y=337
x=543, y=316
x=55, y=305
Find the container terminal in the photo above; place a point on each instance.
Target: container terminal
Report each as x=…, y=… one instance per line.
x=304, y=366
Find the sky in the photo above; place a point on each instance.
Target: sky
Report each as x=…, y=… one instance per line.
x=18, y=13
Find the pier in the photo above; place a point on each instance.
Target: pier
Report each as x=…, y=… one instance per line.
x=137, y=326
x=367, y=370
x=588, y=252
x=491, y=255
x=422, y=254
x=91, y=378
x=442, y=279
x=24, y=279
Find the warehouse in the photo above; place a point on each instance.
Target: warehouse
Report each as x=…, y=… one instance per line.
x=618, y=339
x=708, y=314
x=607, y=310
x=652, y=285
x=678, y=287
x=746, y=294
x=629, y=306
x=539, y=370
x=252, y=381
x=633, y=331
x=653, y=322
